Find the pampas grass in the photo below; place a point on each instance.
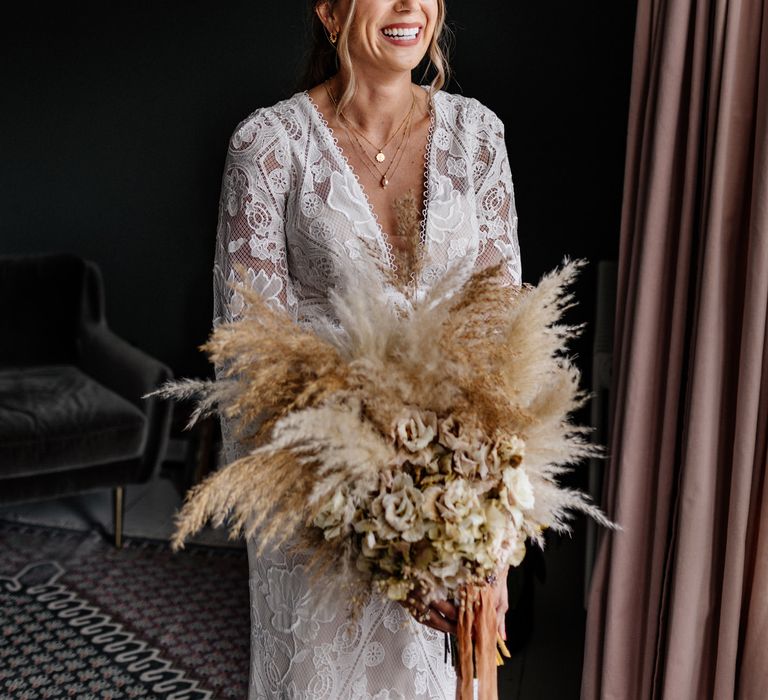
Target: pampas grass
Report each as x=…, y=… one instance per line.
x=314, y=409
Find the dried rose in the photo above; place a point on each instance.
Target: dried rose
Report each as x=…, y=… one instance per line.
x=335, y=516
x=416, y=429
x=397, y=513
x=449, y=435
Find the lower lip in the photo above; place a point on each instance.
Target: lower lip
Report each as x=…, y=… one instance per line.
x=403, y=42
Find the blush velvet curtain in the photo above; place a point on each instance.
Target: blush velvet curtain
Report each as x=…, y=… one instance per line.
x=678, y=608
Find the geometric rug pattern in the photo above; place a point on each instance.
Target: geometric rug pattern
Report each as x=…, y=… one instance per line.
x=81, y=619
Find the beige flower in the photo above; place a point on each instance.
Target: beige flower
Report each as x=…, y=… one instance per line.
x=511, y=450
x=428, y=457
x=449, y=435
x=416, y=429
x=397, y=512
x=465, y=464
x=429, y=502
x=335, y=516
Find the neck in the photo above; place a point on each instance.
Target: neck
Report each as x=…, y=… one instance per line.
x=378, y=107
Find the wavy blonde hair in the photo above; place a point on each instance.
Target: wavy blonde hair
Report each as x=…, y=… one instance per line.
x=325, y=59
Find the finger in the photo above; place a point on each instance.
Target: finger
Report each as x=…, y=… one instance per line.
x=501, y=625
x=437, y=622
x=447, y=609
x=416, y=605
x=429, y=616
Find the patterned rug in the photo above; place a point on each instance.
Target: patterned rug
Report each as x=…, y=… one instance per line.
x=81, y=619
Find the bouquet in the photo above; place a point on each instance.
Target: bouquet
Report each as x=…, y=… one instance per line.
x=405, y=449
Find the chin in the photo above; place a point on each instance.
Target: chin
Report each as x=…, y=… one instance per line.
x=411, y=65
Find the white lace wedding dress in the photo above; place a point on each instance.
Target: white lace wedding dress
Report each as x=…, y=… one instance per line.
x=293, y=213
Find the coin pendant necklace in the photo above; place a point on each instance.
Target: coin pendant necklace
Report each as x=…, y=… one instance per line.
x=396, y=159
x=380, y=156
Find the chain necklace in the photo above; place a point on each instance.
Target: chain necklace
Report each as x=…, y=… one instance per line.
x=382, y=177
x=380, y=157
x=384, y=181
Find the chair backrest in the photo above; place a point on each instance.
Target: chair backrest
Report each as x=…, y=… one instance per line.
x=44, y=301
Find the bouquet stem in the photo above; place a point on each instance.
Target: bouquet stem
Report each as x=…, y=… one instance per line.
x=476, y=640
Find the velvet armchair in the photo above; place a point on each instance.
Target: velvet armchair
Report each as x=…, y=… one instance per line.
x=71, y=414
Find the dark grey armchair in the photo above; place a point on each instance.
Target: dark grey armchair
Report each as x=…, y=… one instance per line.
x=71, y=414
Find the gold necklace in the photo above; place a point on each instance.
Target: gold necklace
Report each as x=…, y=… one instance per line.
x=384, y=181
x=380, y=157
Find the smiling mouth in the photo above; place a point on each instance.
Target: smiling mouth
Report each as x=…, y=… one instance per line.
x=402, y=35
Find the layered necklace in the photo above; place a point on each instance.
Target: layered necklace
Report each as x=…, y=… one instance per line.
x=380, y=157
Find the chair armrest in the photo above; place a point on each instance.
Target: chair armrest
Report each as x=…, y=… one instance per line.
x=130, y=373
x=118, y=365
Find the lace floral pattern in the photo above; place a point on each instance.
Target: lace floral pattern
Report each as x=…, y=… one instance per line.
x=293, y=211
x=306, y=646
x=292, y=214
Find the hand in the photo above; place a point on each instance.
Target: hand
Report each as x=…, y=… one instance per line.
x=440, y=615
x=502, y=601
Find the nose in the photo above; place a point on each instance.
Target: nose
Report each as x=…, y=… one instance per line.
x=406, y=5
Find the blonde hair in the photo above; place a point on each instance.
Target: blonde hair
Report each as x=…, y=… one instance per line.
x=323, y=63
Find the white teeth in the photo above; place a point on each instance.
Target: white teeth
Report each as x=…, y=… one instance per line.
x=401, y=33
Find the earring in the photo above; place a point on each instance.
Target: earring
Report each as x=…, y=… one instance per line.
x=334, y=36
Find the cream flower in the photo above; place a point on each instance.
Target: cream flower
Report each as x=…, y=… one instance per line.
x=497, y=532
x=519, y=487
x=517, y=553
x=457, y=501
x=416, y=429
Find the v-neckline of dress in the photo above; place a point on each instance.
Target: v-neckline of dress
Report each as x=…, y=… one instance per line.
x=382, y=236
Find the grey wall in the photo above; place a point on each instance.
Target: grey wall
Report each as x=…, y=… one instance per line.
x=115, y=121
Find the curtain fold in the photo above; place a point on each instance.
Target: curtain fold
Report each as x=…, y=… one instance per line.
x=679, y=602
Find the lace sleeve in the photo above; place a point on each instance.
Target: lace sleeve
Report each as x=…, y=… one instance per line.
x=495, y=195
x=250, y=231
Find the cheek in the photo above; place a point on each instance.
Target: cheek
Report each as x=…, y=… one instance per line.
x=431, y=11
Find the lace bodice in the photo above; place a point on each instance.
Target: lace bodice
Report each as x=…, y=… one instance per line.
x=293, y=211
x=294, y=214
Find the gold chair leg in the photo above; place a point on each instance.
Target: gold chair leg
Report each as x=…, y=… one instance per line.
x=117, y=516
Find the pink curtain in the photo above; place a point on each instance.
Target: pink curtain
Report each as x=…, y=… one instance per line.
x=678, y=608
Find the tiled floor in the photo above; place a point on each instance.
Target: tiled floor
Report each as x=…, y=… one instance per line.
x=547, y=668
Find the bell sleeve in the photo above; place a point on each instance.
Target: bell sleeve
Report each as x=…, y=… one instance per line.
x=495, y=199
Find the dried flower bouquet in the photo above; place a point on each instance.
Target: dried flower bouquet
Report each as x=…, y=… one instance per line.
x=404, y=450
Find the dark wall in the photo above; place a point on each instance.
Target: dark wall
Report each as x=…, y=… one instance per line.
x=115, y=122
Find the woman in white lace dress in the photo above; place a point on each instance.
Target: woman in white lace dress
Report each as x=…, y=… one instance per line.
x=309, y=187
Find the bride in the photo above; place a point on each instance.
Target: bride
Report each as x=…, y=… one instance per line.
x=361, y=162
